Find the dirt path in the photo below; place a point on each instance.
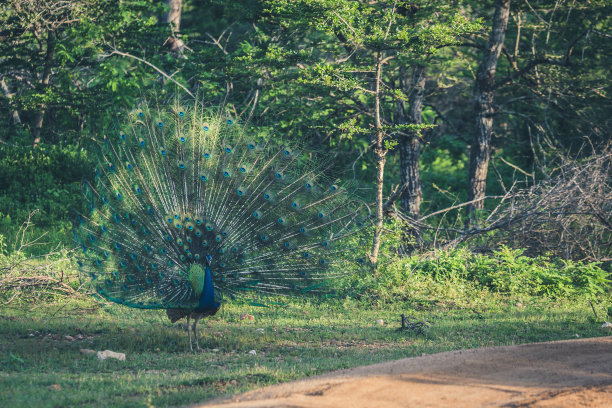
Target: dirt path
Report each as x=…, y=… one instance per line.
x=573, y=373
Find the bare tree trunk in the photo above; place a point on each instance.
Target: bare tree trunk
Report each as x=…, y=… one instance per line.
x=381, y=157
x=7, y=92
x=483, y=110
x=173, y=16
x=44, y=82
x=409, y=147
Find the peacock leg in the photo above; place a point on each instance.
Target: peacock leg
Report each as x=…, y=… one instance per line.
x=195, y=331
x=189, y=333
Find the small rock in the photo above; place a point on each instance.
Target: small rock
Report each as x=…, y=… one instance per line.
x=380, y=322
x=607, y=326
x=103, y=355
x=215, y=350
x=55, y=387
x=88, y=351
x=69, y=338
x=246, y=316
x=253, y=352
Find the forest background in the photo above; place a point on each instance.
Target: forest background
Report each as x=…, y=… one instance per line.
x=478, y=133
x=482, y=124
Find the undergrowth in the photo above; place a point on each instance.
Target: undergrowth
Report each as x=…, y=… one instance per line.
x=458, y=273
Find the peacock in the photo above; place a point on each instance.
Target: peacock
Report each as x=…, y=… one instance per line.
x=187, y=208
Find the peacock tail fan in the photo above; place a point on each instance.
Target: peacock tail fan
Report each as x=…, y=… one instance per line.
x=180, y=191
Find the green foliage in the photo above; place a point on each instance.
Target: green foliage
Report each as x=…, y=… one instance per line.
x=336, y=51
x=72, y=42
x=47, y=179
x=508, y=271
x=310, y=63
x=458, y=273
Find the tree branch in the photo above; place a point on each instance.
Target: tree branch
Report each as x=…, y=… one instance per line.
x=125, y=54
x=530, y=65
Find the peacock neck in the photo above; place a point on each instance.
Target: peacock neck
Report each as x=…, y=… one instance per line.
x=207, y=298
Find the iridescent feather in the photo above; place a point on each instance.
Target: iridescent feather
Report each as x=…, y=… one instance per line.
x=186, y=210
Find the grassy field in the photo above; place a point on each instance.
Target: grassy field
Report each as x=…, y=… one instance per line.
x=41, y=367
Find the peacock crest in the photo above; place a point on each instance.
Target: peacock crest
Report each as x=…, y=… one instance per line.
x=187, y=209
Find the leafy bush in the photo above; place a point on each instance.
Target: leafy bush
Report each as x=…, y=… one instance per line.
x=458, y=274
x=47, y=179
x=509, y=271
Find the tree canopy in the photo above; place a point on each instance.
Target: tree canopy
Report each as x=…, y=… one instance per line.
x=429, y=105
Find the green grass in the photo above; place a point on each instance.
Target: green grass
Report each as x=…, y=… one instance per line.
x=40, y=367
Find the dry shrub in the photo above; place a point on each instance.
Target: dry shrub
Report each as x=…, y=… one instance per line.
x=30, y=279
x=568, y=215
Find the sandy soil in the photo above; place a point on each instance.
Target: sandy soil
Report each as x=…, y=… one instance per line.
x=573, y=373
